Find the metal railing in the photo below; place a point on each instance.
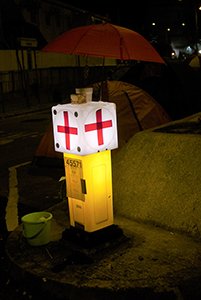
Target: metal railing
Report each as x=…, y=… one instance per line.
x=28, y=88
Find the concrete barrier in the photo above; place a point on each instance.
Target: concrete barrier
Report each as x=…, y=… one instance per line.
x=157, y=176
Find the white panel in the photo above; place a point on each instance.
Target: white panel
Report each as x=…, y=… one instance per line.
x=78, y=209
x=86, y=128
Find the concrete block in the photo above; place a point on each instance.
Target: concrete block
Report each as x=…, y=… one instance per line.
x=157, y=177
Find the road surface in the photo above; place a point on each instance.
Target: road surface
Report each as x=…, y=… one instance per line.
x=24, y=188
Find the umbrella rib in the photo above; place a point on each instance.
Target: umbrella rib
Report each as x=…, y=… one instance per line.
x=121, y=44
x=80, y=39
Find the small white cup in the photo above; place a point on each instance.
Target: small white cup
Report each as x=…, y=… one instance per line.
x=87, y=91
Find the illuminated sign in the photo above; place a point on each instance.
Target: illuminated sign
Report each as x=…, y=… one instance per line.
x=86, y=128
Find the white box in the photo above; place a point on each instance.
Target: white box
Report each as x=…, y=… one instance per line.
x=86, y=128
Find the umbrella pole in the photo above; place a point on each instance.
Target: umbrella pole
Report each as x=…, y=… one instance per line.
x=101, y=89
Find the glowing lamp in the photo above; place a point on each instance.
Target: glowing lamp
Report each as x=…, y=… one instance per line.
x=89, y=190
x=86, y=128
x=86, y=133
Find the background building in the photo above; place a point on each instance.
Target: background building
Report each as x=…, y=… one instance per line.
x=173, y=22
x=43, y=20
x=26, y=26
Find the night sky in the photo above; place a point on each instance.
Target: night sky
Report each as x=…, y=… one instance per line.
x=127, y=13
x=131, y=14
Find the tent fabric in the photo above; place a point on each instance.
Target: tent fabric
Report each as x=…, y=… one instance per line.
x=175, y=86
x=194, y=61
x=46, y=146
x=149, y=113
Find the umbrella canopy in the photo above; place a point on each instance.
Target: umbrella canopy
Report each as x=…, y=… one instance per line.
x=104, y=40
x=194, y=61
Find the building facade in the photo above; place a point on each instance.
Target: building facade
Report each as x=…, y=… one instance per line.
x=43, y=20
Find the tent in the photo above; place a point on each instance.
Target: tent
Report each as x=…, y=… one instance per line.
x=46, y=146
x=194, y=61
x=174, y=85
x=136, y=110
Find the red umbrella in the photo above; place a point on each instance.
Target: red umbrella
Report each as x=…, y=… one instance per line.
x=104, y=40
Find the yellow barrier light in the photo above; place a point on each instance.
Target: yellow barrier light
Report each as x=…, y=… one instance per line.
x=86, y=133
x=89, y=190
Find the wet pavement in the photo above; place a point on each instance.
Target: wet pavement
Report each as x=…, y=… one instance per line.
x=145, y=262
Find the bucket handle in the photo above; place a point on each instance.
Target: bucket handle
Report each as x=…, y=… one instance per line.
x=36, y=234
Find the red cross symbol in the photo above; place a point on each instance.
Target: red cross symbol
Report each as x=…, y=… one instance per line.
x=99, y=126
x=67, y=130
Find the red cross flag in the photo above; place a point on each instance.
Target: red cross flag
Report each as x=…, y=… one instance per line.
x=86, y=128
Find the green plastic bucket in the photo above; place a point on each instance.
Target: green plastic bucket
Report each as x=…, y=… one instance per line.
x=36, y=228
